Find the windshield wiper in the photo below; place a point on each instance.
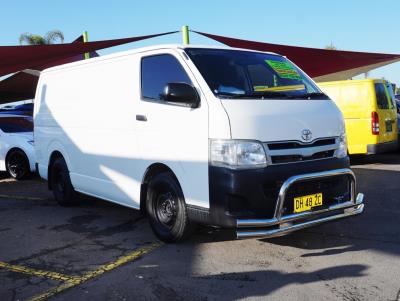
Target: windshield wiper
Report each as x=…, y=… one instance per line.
x=231, y=95
x=311, y=95
x=261, y=95
x=272, y=95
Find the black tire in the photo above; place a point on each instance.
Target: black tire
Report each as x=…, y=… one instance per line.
x=17, y=165
x=166, y=209
x=64, y=192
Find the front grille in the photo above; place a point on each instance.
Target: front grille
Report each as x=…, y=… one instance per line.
x=281, y=152
x=298, y=144
x=298, y=158
x=335, y=190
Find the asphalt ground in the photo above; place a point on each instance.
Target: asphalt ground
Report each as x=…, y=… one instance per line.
x=101, y=251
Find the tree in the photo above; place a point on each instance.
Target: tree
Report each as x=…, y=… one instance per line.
x=34, y=39
x=331, y=47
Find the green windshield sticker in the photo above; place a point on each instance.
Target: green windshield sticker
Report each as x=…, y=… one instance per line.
x=284, y=69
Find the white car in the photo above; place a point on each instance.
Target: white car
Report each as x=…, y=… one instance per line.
x=17, y=155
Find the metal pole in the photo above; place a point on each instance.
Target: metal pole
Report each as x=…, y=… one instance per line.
x=85, y=40
x=185, y=34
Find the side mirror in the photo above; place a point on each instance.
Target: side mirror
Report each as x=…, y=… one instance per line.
x=181, y=93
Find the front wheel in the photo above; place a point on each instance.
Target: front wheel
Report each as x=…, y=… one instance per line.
x=166, y=209
x=17, y=165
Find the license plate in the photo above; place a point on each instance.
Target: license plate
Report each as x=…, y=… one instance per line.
x=307, y=202
x=389, y=127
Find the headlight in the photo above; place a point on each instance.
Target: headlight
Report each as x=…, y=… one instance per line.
x=341, y=152
x=237, y=154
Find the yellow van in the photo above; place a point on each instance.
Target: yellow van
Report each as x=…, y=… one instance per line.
x=369, y=113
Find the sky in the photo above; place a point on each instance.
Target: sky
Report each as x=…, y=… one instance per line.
x=357, y=25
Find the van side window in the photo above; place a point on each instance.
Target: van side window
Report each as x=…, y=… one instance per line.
x=381, y=97
x=159, y=70
x=390, y=90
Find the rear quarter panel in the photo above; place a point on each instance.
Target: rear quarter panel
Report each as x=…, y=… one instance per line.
x=87, y=112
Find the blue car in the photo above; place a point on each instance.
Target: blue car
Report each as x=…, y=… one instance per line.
x=24, y=109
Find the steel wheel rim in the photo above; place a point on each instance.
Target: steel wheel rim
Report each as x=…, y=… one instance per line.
x=166, y=209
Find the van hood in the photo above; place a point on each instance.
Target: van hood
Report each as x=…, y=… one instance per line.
x=269, y=120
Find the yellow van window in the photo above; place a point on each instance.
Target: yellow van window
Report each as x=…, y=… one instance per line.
x=381, y=97
x=389, y=88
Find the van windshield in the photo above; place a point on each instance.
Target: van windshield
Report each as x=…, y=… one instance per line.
x=247, y=74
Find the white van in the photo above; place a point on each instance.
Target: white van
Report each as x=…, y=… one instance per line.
x=219, y=136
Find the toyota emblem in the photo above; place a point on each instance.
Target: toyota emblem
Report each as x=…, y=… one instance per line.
x=306, y=135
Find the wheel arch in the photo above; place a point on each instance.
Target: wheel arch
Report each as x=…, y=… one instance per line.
x=151, y=171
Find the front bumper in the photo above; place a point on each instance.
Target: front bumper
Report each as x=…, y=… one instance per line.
x=286, y=228
x=259, y=202
x=284, y=224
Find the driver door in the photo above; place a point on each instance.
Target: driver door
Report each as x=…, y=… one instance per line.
x=170, y=133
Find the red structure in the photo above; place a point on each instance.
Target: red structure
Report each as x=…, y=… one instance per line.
x=320, y=64
x=22, y=85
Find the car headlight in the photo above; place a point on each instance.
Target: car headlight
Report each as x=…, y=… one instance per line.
x=341, y=152
x=237, y=154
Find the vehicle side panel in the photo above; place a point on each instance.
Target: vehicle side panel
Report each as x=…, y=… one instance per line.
x=87, y=113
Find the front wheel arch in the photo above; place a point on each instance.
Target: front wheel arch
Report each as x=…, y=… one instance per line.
x=151, y=171
x=166, y=208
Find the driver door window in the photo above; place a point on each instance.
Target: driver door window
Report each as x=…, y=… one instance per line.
x=159, y=70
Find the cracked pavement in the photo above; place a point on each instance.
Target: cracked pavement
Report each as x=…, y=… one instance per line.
x=352, y=259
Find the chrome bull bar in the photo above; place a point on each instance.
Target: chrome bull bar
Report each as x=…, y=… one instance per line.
x=297, y=221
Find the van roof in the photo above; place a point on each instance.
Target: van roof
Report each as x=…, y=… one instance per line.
x=145, y=49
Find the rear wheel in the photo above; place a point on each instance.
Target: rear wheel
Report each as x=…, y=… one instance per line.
x=165, y=206
x=63, y=190
x=17, y=164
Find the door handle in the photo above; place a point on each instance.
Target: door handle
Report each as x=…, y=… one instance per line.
x=141, y=118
